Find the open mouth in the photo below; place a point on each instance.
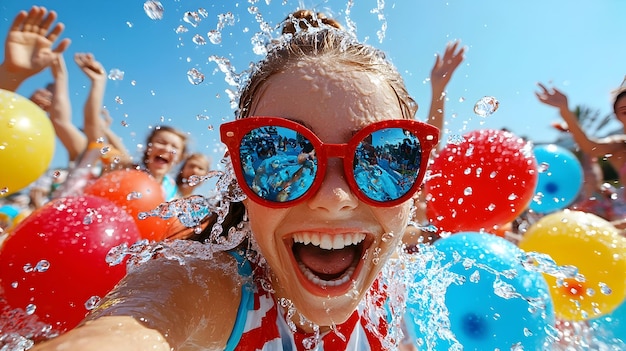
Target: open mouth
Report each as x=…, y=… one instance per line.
x=329, y=261
x=160, y=160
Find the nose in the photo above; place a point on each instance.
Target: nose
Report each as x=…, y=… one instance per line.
x=334, y=194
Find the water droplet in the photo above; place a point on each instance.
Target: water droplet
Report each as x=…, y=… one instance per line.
x=56, y=174
x=27, y=268
x=134, y=195
x=92, y=302
x=387, y=237
x=214, y=36
x=475, y=277
x=192, y=18
x=605, y=289
x=119, y=100
x=42, y=266
x=181, y=29
x=203, y=12
x=195, y=77
x=30, y=309
x=486, y=106
x=198, y=39
x=129, y=24
x=116, y=74
x=124, y=123
x=4, y=190
x=153, y=9
x=105, y=149
x=468, y=191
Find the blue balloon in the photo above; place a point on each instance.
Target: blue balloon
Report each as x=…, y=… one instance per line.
x=612, y=325
x=559, y=180
x=495, y=303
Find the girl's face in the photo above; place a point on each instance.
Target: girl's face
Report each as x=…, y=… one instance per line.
x=334, y=101
x=197, y=166
x=164, y=151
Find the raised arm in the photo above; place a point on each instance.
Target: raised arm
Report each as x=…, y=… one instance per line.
x=556, y=98
x=60, y=111
x=112, y=138
x=28, y=46
x=197, y=306
x=440, y=76
x=93, y=126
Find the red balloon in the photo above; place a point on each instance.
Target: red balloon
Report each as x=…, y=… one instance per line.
x=486, y=180
x=55, y=259
x=134, y=191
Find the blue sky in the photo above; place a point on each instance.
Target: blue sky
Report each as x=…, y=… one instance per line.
x=575, y=44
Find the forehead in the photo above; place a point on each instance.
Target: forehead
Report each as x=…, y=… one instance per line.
x=166, y=135
x=322, y=93
x=197, y=161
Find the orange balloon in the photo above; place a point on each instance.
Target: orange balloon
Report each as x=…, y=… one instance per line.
x=136, y=192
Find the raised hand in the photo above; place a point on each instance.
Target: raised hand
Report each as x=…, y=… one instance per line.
x=552, y=96
x=90, y=66
x=446, y=65
x=28, y=46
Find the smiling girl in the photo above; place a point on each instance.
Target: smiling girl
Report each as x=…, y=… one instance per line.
x=308, y=273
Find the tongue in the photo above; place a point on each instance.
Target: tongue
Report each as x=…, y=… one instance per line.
x=322, y=261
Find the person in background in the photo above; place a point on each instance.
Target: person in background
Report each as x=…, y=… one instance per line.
x=195, y=164
x=612, y=147
x=440, y=75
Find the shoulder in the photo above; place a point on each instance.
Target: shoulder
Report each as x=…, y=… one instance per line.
x=187, y=293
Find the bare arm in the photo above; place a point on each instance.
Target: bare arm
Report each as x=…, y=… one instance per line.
x=112, y=138
x=61, y=111
x=179, y=305
x=28, y=46
x=440, y=76
x=556, y=98
x=91, y=113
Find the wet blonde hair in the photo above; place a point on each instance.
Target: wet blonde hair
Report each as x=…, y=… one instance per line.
x=306, y=19
x=326, y=42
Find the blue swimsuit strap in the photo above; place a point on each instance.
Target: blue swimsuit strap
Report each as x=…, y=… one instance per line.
x=247, y=301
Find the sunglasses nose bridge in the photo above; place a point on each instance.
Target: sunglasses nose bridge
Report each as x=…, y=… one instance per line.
x=336, y=150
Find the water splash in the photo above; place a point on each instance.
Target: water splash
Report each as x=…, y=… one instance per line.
x=486, y=106
x=153, y=9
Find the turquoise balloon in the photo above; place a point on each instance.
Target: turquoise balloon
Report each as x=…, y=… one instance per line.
x=499, y=305
x=612, y=325
x=559, y=181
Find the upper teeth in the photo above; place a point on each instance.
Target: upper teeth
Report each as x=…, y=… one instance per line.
x=327, y=241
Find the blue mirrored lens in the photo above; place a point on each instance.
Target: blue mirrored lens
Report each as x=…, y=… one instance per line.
x=387, y=163
x=278, y=163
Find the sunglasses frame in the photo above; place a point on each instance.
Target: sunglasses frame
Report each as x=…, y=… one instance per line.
x=232, y=133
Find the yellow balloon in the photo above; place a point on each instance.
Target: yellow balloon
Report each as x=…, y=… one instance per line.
x=26, y=142
x=594, y=246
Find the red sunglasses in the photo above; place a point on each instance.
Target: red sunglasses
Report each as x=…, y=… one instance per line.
x=279, y=162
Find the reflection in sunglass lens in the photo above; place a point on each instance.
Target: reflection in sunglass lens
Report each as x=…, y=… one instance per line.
x=387, y=163
x=278, y=163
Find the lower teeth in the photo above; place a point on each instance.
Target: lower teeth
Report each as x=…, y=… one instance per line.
x=317, y=281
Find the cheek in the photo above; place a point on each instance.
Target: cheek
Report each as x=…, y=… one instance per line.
x=394, y=219
x=264, y=221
